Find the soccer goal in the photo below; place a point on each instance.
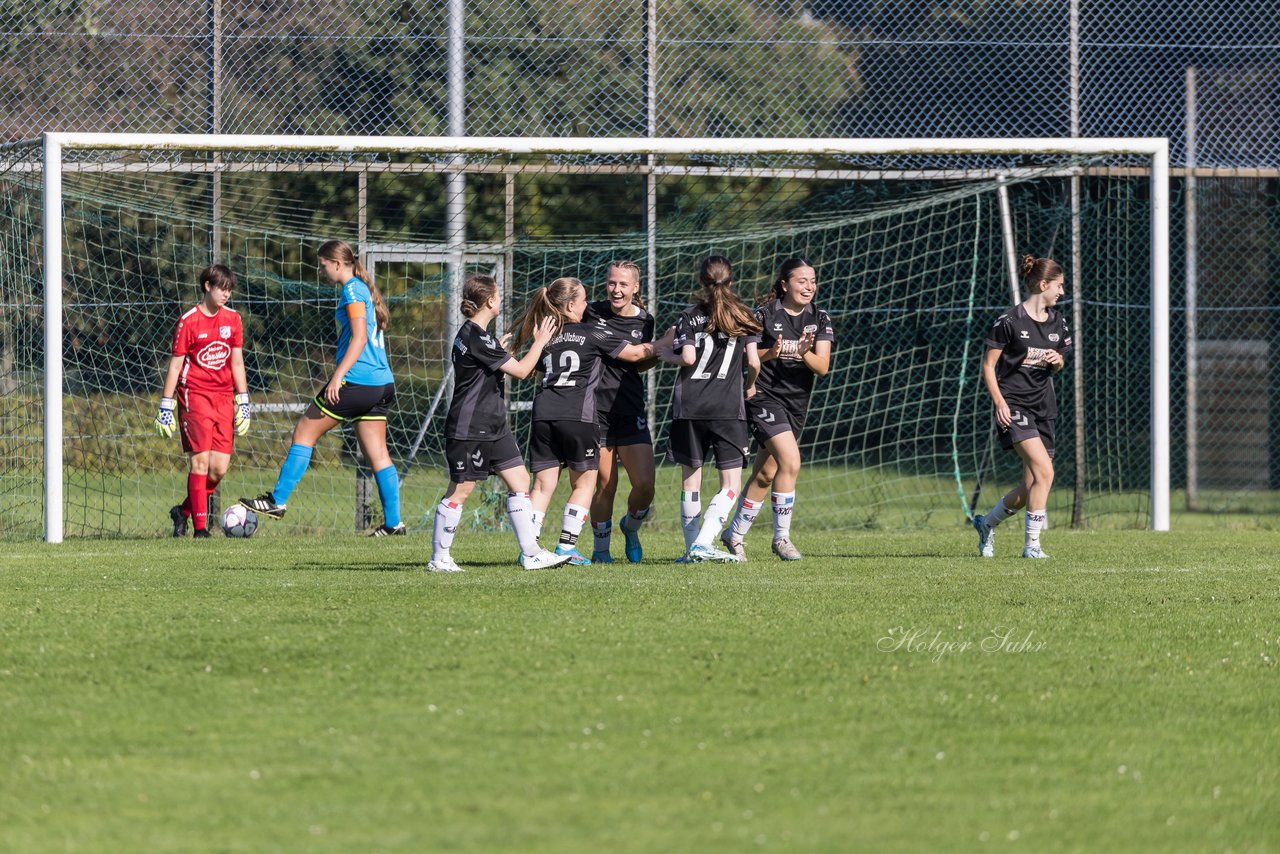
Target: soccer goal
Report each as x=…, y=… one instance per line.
x=912, y=241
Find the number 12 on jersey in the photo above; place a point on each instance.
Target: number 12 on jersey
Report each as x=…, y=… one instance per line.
x=706, y=344
x=569, y=362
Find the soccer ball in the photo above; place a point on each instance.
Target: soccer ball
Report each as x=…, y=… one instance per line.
x=239, y=521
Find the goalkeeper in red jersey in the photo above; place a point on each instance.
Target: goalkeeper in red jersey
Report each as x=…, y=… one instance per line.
x=205, y=395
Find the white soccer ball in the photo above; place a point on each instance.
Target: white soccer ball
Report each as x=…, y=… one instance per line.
x=239, y=521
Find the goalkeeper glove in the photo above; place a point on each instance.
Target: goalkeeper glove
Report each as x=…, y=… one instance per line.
x=166, y=420
x=242, y=413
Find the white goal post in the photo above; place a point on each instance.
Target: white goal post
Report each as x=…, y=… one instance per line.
x=57, y=145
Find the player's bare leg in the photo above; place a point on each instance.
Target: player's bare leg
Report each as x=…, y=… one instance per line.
x=639, y=464
x=1038, y=480
x=310, y=427
x=602, y=505
x=581, y=486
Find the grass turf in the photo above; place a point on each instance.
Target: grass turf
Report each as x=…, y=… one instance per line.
x=327, y=694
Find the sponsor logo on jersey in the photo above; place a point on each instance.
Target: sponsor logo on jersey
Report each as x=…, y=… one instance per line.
x=589, y=453
x=570, y=337
x=460, y=347
x=777, y=327
x=1053, y=336
x=224, y=331
x=214, y=356
x=1024, y=334
x=202, y=336
x=459, y=465
x=488, y=340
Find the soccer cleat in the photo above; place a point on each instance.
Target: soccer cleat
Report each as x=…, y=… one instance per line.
x=385, y=530
x=601, y=557
x=785, y=549
x=700, y=553
x=543, y=560
x=264, y=504
x=1033, y=551
x=986, y=537
x=201, y=534
x=684, y=558
x=444, y=564
x=179, y=521
x=635, y=553
x=576, y=558
x=737, y=549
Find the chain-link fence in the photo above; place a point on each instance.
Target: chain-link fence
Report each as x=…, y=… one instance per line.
x=870, y=68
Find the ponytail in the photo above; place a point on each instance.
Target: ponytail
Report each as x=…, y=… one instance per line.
x=725, y=311
x=340, y=251
x=546, y=302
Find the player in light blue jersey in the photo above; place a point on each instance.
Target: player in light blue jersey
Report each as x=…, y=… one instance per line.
x=361, y=389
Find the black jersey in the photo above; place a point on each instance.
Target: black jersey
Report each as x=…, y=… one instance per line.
x=787, y=379
x=1022, y=372
x=620, y=391
x=572, y=363
x=711, y=388
x=477, y=410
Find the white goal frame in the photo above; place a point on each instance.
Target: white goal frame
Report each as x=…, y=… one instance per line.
x=55, y=144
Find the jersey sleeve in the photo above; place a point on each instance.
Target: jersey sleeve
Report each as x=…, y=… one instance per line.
x=606, y=343
x=650, y=325
x=1000, y=333
x=354, y=291
x=684, y=331
x=237, y=331
x=487, y=351
x=181, y=341
x=1067, y=342
x=826, y=332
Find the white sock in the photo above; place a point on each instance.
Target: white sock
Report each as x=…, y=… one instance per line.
x=575, y=516
x=748, y=510
x=537, y=516
x=1035, y=523
x=998, y=514
x=603, y=534
x=690, y=510
x=520, y=515
x=784, y=503
x=717, y=512
x=448, y=514
x=634, y=519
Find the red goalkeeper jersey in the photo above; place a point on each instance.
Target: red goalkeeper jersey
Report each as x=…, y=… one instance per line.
x=206, y=342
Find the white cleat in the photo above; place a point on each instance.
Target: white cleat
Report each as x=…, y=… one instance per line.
x=785, y=549
x=986, y=537
x=543, y=560
x=444, y=564
x=709, y=554
x=1033, y=551
x=737, y=549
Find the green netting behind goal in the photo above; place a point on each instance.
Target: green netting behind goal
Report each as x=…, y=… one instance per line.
x=911, y=271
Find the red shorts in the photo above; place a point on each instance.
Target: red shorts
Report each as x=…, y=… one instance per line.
x=205, y=419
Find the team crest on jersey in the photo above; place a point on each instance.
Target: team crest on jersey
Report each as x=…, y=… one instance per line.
x=224, y=331
x=812, y=327
x=214, y=357
x=635, y=333
x=1053, y=336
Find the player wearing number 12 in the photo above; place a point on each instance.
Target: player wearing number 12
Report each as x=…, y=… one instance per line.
x=1026, y=346
x=564, y=432
x=206, y=367
x=361, y=390
x=711, y=342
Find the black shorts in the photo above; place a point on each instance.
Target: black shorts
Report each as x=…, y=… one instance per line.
x=475, y=459
x=575, y=444
x=617, y=431
x=689, y=443
x=359, y=402
x=1026, y=426
x=769, y=418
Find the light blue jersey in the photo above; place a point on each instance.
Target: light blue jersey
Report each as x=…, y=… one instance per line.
x=371, y=368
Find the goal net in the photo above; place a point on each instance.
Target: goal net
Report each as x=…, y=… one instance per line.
x=911, y=248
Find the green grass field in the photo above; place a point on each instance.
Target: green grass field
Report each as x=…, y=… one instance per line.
x=889, y=692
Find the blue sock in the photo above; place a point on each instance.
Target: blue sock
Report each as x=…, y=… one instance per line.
x=389, y=492
x=295, y=466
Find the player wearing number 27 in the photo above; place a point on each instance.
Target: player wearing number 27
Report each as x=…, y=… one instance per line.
x=712, y=340
x=207, y=366
x=564, y=432
x=1026, y=346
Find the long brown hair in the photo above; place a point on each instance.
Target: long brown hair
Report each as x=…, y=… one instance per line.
x=340, y=251
x=1036, y=270
x=788, y=267
x=726, y=312
x=546, y=302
